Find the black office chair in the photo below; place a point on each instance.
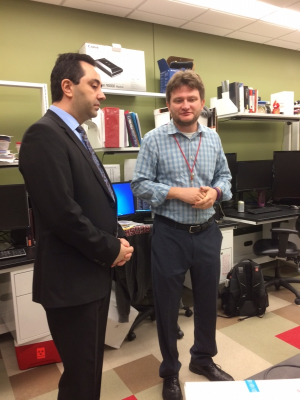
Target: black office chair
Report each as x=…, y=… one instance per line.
x=280, y=247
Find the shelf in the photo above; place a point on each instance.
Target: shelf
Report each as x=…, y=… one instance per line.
x=133, y=93
x=259, y=117
x=4, y=164
x=112, y=150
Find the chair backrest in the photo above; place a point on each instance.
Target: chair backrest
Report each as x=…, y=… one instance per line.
x=298, y=226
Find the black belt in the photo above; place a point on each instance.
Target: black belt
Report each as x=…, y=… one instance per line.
x=190, y=228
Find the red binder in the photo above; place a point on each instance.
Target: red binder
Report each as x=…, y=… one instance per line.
x=111, y=126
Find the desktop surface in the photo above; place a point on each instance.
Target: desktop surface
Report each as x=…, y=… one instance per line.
x=260, y=218
x=17, y=261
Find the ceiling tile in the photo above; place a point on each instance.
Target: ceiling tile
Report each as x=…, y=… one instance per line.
x=212, y=30
x=249, y=37
x=265, y=29
x=97, y=7
x=55, y=2
x=157, y=19
x=171, y=9
x=295, y=7
x=118, y=3
x=279, y=3
x=283, y=43
x=223, y=20
x=292, y=37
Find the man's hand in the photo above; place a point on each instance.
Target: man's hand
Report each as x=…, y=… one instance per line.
x=208, y=200
x=125, y=253
x=188, y=195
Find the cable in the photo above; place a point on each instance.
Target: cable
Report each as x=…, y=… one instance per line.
x=279, y=366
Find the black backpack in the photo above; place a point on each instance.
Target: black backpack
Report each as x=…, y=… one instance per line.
x=244, y=292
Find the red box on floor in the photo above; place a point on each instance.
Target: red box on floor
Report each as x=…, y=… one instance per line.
x=33, y=355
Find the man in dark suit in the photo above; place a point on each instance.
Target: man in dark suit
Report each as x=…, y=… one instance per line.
x=77, y=233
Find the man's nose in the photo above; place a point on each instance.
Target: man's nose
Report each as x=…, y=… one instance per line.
x=101, y=95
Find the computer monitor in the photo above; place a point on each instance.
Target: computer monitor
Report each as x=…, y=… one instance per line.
x=142, y=206
x=125, y=199
x=286, y=183
x=254, y=176
x=13, y=207
x=231, y=160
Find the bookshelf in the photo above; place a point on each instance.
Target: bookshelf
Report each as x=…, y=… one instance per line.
x=291, y=125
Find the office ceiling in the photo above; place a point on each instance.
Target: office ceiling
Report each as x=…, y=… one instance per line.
x=195, y=18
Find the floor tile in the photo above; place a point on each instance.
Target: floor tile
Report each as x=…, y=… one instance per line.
x=140, y=374
x=290, y=312
x=6, y=392
x=259, y=336
x=35, y=382
x=291, y=337
x=113, y=388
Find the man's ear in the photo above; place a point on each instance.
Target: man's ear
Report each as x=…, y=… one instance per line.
x=67, y=87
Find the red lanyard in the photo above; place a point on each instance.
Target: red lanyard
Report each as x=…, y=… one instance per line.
x=186, y=161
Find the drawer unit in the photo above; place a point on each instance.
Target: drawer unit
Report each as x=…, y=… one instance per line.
x=25, y=319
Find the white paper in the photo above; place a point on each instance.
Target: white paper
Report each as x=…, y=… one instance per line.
x=113, y=171
x=129, y=166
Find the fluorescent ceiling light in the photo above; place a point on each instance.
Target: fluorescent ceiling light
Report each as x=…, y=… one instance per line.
x=244, y=8
x=284, y=17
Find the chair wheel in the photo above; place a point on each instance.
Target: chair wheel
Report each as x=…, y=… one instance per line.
x=131, y=336
x=188, y=313
x=297, y=301
x=180, y=334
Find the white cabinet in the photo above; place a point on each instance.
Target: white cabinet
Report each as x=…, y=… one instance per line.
x=226, y=257
x=25, y=319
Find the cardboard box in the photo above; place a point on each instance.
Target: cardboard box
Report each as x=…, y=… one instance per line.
x=167, y=69
x=119, y=69
x=285, y=100
x=275, y=389
x=116, y=331
x=36, y=354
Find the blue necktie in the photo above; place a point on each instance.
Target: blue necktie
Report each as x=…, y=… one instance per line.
x=95, y=158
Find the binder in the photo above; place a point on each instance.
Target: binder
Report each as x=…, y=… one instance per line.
x=133, y=139
x=111, y=126
x=234, y=94
x=136, y=126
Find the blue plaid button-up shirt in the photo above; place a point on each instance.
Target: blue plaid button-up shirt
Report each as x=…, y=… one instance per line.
x=160, y=166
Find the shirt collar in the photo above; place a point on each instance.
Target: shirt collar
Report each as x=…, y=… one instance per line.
x=172, y=128
x=66, y=117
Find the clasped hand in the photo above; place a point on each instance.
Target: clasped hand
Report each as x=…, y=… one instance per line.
x=125, y=253
x=202, y=198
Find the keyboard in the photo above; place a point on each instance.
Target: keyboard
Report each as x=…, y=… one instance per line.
x=12, y=253
x=262, y=210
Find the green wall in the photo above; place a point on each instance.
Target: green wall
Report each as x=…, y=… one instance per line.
x=33, y=34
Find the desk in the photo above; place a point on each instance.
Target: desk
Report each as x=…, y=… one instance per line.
x=25, y=319
x=243, y=243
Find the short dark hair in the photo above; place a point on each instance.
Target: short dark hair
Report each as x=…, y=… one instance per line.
x=188, y=78
x=67, y=66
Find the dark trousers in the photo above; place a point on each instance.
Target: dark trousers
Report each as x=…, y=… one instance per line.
x=78, y=333
x=175, y=251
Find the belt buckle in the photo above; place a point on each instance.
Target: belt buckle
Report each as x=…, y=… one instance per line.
x=195, y=226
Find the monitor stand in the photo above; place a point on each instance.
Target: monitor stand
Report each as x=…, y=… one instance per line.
x=261, y=198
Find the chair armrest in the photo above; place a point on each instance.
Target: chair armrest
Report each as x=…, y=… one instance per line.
x=284, y=230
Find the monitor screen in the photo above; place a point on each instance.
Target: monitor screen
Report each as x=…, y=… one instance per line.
x=254, y=175
x=13, y=207
x=286, y=169
x=231, y=160
x=141, y=206
x=125, y=198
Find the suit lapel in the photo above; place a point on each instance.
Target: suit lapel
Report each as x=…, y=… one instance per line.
x=81, y=147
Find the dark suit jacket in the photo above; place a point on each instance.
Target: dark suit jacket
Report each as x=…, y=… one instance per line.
x=75, y=216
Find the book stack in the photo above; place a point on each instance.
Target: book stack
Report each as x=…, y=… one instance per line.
x=121, y=128
x=244, y=97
